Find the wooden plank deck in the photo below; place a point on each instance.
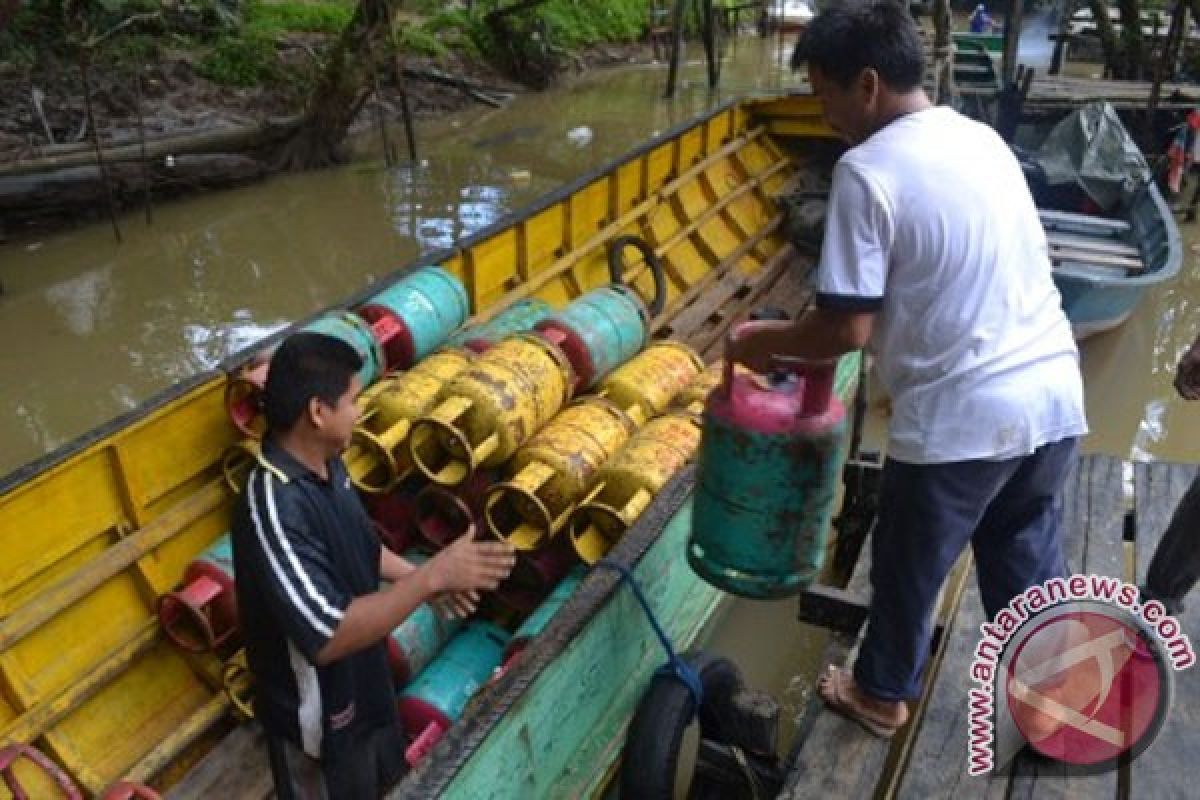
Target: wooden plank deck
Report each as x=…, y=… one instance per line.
x=1165, y=770
x=1064, y=93
x=1107, y=500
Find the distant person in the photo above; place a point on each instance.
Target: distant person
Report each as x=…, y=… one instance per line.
x=934, y=256
x=1175, y=566
x=981, y=21
x=309, y=569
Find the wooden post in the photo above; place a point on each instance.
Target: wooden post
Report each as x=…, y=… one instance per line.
x=711, y=56
x=409, y=131
x=943, y=54
x=1012, y=36
x=1164, y=67
x=1060, y=42
x=137, y=85
x=676, y=47
x=91, y=120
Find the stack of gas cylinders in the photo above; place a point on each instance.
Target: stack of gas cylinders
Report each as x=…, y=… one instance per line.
x=550, y=429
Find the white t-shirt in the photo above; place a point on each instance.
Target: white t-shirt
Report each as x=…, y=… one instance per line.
x=931, y=225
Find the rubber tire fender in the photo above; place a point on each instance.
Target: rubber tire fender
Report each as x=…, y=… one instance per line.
x=616, y=268
x=663, y=715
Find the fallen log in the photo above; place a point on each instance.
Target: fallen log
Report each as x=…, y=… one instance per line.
x=243, y=138
x=72, y=190
x=465, y=84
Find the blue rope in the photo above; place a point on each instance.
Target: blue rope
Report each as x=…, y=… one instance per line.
x=675, y=667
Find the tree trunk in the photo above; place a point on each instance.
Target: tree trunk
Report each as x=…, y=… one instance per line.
x=1133, y=46
x=1108, y=34
x=342, y=91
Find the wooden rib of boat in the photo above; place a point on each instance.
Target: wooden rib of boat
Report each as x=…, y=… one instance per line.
x=95, y=532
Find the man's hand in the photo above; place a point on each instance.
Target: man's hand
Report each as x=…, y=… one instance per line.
x=1187, y=374
x=750, y=344
x=456, y=604
x=468, y=566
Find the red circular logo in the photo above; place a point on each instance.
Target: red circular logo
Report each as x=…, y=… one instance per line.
x=1087, y=687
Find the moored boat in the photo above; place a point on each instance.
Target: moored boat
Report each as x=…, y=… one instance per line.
x=1103, y=266
x=1109, y=232
x=98, y=531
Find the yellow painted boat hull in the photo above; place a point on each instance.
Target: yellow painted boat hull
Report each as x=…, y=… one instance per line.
x=93, y=534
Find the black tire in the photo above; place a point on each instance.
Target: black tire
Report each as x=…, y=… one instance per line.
x=663, y=715
x=616, y=268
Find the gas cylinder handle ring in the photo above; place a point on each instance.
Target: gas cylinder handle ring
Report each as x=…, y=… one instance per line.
x=127, y=790
x=616, y=268
x=172, y=608
x=12, y=752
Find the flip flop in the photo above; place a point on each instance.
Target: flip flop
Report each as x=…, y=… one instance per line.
x=838, y=700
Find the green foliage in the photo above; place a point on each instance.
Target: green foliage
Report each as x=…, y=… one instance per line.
x=246, y=59
x=314, y=16
x=420, y=40
x=578, y=23
x=247, y=56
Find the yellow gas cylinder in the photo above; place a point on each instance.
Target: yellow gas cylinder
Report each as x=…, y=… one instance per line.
x=377, y=458
x=693, y=395
x=491, y=409
x=625, y=485
x=645, y=385
x=551, y=472
x=241, y=456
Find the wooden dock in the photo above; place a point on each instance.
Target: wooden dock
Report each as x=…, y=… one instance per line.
x=1114, y=515
x=1059, y=94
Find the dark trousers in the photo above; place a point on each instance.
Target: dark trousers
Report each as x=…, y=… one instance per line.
x=1176, y=562
x=1009, y=511
x=366, y=769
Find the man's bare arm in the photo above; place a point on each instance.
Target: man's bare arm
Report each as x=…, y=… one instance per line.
x=817, y=335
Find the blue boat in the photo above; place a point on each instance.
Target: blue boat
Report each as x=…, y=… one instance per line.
x=1103, y=265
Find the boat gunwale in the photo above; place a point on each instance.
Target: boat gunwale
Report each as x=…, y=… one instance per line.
x=158, y=400
x=435, y=773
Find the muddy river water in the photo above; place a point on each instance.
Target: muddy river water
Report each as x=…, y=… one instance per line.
x=89, y=328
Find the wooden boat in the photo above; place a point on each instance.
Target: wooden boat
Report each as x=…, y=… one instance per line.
x=989, y=42
x=1104, y=264
x=95, y=532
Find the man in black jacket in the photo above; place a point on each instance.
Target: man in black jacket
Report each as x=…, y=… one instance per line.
x=309, y=570
x=1176, y=563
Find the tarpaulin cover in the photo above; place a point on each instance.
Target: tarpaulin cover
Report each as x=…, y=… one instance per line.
x=1091, y=149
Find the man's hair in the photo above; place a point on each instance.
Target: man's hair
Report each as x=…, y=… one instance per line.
x=305, y=366
x=854, y=35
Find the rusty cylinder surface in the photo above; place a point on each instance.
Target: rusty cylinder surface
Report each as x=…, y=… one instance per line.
x=624, y=486
x=551, y=473
x=377, y=457
x=694, y=395
x=647, y=383
x=491, y=409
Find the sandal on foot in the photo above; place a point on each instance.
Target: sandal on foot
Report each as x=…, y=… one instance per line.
x=834, y=689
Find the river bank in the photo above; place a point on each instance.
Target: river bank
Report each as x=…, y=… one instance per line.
x=171, y=117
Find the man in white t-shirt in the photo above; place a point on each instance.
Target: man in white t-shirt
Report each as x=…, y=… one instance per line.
x=934, y=257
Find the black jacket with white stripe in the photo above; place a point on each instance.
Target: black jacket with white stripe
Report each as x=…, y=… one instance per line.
x=303, y=549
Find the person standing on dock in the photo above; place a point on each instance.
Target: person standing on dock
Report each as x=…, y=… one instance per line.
x=981, y=21
x=309, y=569
x=934, y=256
x=1175, y=566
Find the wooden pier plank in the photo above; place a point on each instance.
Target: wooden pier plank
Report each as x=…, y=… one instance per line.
x=236, y=768
x=1093, y=542
x=937, y=768
x=1165, y=770
x=833, y=756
